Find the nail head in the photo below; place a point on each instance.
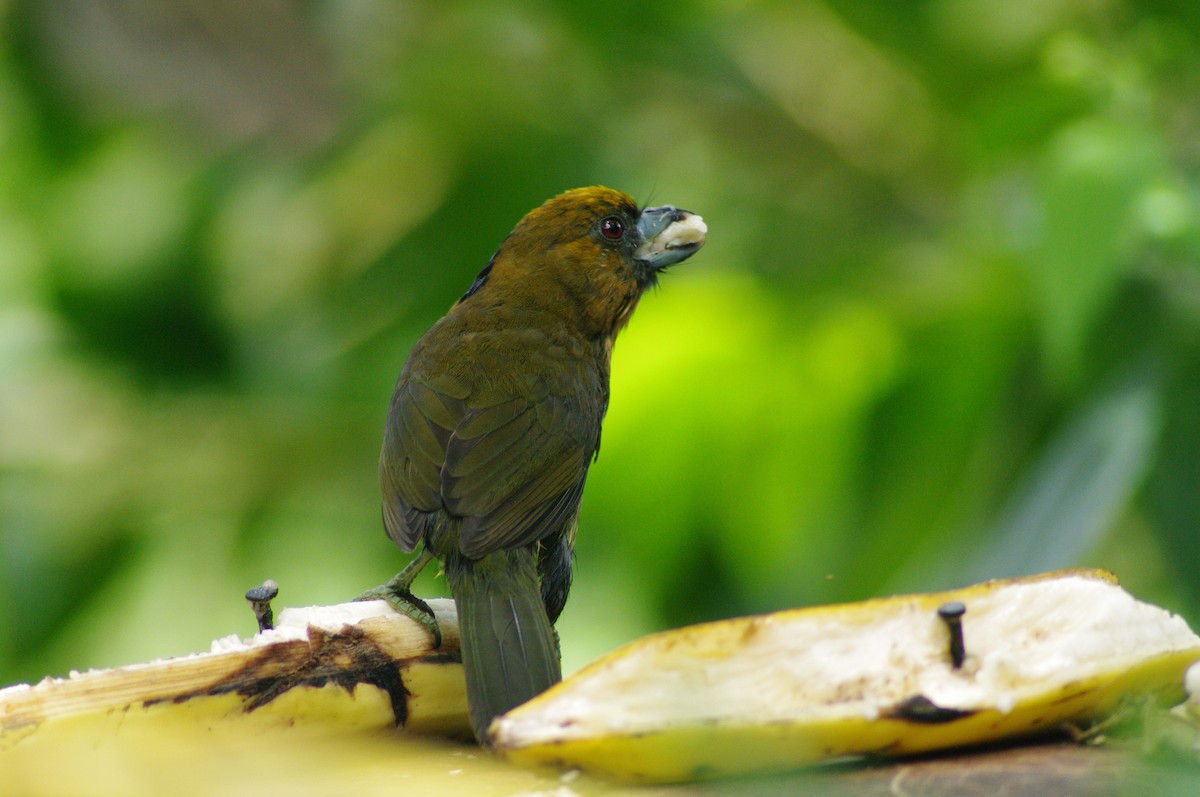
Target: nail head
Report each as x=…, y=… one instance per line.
x=263, y=592
x=952, y=610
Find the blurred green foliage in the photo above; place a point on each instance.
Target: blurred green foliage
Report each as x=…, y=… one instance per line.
x=946, y=327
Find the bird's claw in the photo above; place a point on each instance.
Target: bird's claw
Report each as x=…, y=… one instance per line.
x=398, y=594
x=407, y=604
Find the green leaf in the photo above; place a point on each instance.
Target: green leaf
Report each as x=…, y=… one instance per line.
x=1077, y=489
x=1094, y=173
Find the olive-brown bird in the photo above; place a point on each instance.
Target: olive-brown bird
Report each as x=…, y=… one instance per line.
x=496, y=418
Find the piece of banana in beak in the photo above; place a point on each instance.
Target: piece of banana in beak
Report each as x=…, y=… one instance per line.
x=686, y=233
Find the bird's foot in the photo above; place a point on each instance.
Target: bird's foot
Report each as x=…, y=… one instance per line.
x=407, y=604
x=397, y=592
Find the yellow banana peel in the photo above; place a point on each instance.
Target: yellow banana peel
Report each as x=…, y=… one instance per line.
x=776, y=691
x=749, y=695
x=357, y=666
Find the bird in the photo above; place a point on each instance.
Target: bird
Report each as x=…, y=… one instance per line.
x=495, y=420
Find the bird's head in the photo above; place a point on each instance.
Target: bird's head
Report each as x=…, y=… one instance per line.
x=595, y=247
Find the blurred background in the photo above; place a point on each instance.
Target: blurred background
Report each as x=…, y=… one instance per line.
x=946, y=327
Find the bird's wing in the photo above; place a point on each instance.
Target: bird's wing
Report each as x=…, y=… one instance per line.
x=419, y=426
x=514, y=471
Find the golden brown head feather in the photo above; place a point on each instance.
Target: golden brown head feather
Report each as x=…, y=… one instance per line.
x=558, y=259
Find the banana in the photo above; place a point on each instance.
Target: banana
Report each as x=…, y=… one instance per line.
x=355, y=665
x=313, y=704
x=307, y=709
x=892, y=676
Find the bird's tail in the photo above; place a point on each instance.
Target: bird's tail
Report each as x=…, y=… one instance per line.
x=509, y=650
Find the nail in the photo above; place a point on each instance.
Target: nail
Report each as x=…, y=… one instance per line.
x=260, y=598
x=951, y=614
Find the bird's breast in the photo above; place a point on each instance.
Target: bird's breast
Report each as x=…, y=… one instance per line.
x=501, y=356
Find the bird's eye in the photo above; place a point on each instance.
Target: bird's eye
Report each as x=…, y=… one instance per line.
x=612, y=228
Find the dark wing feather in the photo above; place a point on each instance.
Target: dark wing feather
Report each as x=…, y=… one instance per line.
x=512, y=477
x=493, y=437
x=419, y=425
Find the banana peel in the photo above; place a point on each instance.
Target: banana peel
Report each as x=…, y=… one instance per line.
x=749, y=695
x=878, y=678
x=356, y=666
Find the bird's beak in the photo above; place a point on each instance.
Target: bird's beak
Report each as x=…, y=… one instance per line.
x=668, y=236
